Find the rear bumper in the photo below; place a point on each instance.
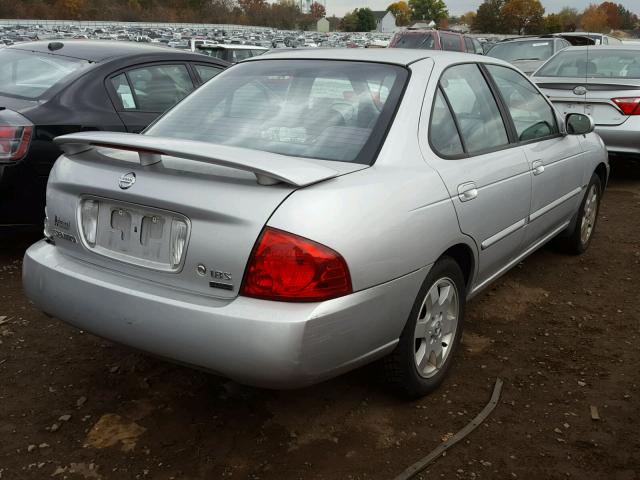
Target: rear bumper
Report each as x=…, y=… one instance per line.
x=256, y=342
x=624, y=138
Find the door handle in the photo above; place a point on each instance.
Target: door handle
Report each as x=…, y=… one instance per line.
x=537, y=167
x=467, y=191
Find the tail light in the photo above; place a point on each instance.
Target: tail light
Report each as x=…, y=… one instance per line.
x=289, y=268
x=15, y=136
x=628, y=105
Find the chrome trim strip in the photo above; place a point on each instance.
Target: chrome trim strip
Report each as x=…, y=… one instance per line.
x=517, y=260
x=554, y=204
x=503, y=233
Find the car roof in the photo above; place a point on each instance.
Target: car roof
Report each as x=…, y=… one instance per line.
x=584, y=33
x=96, y=50
x=618, y=46
x=230, y=46
x=397, y=56
x=525, y=39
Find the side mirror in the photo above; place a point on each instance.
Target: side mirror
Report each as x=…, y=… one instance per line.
x=579, y=124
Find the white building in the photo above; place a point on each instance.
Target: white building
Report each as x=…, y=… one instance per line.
x=323, y=25
x=385, y=21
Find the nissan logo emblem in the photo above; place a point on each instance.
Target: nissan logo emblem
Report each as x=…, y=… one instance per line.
x=127, y=180
x=580, y=90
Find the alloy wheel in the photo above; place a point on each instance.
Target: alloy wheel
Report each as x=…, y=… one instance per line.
x=436, y=327
x=589, y=215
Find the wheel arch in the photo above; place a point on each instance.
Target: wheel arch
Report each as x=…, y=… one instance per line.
x=464, y=256
x=602, y=172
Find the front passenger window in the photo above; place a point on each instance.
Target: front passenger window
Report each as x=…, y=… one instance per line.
x=532, y=115
x=474, y=107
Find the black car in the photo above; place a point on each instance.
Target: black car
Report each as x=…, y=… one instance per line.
x=49, y=89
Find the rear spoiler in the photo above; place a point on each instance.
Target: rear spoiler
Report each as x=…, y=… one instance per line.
x=269, y=168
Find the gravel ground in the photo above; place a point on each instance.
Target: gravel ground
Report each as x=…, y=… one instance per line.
x=561, y=331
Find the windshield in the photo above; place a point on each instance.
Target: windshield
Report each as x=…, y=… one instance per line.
x=529, y=50
x=328, y=110
x=30, y=75
x=593, y=63
x=413, y=40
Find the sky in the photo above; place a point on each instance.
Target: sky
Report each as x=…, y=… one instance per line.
x=457, y=7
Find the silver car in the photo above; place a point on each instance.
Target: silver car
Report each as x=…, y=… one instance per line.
x=603, y=82
x=305, y=213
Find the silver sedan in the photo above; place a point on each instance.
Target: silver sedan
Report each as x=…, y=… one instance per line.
x=603, y=82
x=305, y=213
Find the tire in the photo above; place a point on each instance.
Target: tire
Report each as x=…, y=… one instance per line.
x=425, y=328
x=579, y=239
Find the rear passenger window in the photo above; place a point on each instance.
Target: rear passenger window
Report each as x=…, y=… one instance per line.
x=532, y=115
x=450, y=42
x=443, y=133
x=475, y=109
x=158, y=88
x=123, y=91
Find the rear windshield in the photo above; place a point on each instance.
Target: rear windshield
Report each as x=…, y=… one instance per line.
x=30, y=75
x=517, y=51
x=593, y=63
x=327, y=110
x=413, y=40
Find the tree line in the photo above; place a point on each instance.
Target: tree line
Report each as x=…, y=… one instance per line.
x=492, y=16
x=528, y=17
x=282, y=14
x=519, y=16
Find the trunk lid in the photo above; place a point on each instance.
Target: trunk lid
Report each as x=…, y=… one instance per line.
x=528, y=66
x=591, y=96
x=19, y=105
x=223, y=209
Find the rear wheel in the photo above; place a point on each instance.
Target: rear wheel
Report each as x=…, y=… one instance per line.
x=432, y=333
x=580, y=237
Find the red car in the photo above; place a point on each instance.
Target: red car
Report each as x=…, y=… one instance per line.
x=436, y=40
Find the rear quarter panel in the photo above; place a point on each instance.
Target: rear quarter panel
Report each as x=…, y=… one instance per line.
x=387, y=220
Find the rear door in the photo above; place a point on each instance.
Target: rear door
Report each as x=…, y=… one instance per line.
x=486, y=174
x=142, y=93
x=555, y=160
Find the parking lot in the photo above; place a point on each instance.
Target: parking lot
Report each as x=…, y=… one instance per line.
x=561, y=331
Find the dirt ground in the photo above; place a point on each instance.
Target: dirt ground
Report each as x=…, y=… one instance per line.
x=562, y=332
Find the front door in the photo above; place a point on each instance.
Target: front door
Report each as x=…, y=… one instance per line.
x=555, y=160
